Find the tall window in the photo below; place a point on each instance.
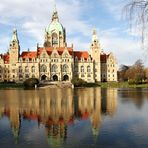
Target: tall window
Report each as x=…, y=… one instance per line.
x=82, y=68
x=20, y=77
x=54, y=68
x=27, y=76
x=33, y=76
x=0, y=69
x=20, y=69
x=54, y=38
x=26, y=69
x=65, y=68
x=33, y=69
x=43, y=68
x=88, y=69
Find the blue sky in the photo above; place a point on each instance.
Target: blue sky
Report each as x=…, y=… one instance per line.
x=79, y=17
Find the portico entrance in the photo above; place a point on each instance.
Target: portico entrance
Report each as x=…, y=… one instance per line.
x=65, y=78
x=55, y=78
x=43, y=77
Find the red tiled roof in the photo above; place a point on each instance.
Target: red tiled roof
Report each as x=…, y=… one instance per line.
x=81, y=54
x=6, y=58
x=29, y=54
x=50, y=49
x=103, y=57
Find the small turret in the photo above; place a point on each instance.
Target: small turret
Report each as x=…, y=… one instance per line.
x=14, y=36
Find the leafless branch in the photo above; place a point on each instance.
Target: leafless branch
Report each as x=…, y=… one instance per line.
x=137, y=13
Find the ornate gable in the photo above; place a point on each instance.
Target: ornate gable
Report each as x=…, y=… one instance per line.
x=44, y=54
x=55, y=53
x=66, y=53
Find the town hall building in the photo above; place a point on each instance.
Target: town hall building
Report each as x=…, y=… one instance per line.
x=55, y=61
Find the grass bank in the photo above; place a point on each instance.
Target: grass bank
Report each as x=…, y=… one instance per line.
x=122, y=85
x=102, y=85
x=10, y=85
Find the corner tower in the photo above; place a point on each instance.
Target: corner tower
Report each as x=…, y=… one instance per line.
x=95, y=51
x=55, y=35
x=14, y=48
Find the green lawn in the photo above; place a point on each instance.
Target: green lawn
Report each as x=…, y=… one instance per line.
x=10, y=85
x=122, y=85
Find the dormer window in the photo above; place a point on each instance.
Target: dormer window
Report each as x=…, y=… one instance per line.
x=20, y=60
x=82, y=59
x=33, y=60
x=27, y=60
x=76, y=58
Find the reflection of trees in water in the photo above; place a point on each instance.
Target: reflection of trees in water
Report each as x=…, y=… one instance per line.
x=137, y=96
x=56, y=108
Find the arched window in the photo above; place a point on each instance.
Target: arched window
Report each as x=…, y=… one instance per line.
x=54, y=38
x=43, y=68
x=76, y=68
x=88, y=69
x=54, y=68
x=82, y=68
x=27, y=76
x=33, y=76
x=65, y=68
x=33, y=69
x=20, y=77
x=26, y=69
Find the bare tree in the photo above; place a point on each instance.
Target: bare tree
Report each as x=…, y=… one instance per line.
x=137, y=13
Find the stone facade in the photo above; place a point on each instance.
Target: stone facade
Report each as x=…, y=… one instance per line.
x=55, y=61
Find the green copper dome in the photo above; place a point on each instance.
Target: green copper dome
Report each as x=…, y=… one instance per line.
x=55, y=26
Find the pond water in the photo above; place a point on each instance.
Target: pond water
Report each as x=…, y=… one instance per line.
x=66, y=118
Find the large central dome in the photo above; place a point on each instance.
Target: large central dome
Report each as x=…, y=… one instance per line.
x=55, y=26
x=55, y=35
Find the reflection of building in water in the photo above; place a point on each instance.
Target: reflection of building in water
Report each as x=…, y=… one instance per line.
x=109, y=101
x=89, y=106
x=52, y=107
x=15, y=123
x=56, y=108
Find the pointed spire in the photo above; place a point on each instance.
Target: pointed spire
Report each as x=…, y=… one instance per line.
x=55, y=13
x=94, y=36
x=14, y=36
x=94, y=31
x=55, y=8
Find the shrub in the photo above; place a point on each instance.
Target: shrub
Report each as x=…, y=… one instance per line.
x=31, y=82
x=131, y=82
x=78, y=82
